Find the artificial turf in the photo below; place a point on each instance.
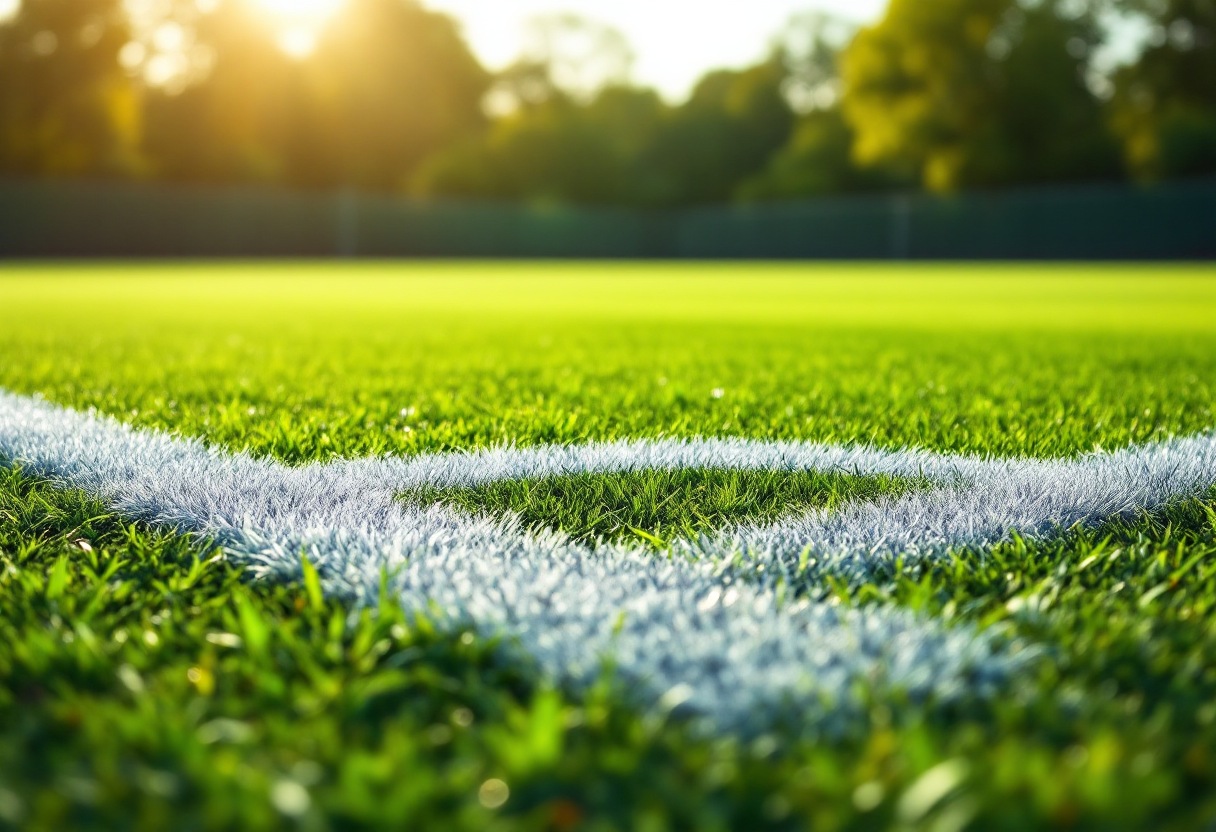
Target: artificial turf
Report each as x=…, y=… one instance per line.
x=144, y=684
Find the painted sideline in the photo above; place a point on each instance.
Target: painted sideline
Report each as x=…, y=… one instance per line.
x=704, y=627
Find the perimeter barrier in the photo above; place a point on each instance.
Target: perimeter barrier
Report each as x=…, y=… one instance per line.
x=1092, y=222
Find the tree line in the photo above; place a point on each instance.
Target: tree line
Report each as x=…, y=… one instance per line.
x=938, y=94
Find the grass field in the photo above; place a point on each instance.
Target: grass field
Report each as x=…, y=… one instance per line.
x=147, y=684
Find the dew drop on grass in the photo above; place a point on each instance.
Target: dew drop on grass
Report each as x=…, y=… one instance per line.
x=493, y=793
x=867, y=796
x=290, y=798
x=930, y=788
x=131, y=679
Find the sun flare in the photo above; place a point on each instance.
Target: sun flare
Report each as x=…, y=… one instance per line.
x=301, y=11
x=299, y=22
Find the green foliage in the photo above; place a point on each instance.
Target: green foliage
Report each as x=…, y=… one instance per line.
x=818, y=160
x=730, y=126
x=654, y=506
x=976, y=93
x=948, y=93
x=65, y=106
x=1163, y=106
x=388, y=84
x=625, y=146
x=558, y=150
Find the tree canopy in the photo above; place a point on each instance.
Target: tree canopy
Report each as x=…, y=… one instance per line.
x=387, y=84
x=940, y=94
x=976, y=93
x=66, y=106
x=1165, y=104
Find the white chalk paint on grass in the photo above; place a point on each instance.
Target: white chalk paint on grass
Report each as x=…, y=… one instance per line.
x=703, y=625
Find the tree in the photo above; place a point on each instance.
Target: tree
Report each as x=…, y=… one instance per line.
x=625, y=146
x=581, y=56
x=725, y=133
x=564, y=56
x=978, y=93
x=558, y=150
x=818, y=159
x=66, y=106
x=571, y=129
x=388, y=84
x=238, y=121
x=1164, y=106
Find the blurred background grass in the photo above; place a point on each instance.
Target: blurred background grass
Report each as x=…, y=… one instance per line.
x=1076, y=297
x=308, y=361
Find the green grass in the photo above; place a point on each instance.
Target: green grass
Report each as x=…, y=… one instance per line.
x=342, y=361
x=384, y=723
x=652, y=507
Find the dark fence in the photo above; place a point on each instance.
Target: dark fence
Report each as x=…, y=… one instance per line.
x=72, y=219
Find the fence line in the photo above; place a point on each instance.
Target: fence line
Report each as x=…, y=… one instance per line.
x=90, y=219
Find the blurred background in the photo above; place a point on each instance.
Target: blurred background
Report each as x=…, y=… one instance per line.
x=736, y=128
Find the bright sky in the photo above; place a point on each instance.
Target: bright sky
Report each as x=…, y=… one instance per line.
x=676, y=41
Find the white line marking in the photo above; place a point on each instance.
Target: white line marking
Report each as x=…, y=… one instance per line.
x=705, y=625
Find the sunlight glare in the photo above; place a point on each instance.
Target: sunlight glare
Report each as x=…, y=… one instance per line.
x=299, y=22
x=298, y=43
x=9, y=8
x=302, y=12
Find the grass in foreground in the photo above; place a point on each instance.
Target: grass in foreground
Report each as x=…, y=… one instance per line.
x=654, y=507
x=144, y=685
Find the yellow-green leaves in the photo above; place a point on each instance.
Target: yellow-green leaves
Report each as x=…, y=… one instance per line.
x=254, y=629
x=312, y=584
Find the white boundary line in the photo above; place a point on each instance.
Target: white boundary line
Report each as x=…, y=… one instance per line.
x=704, y=626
